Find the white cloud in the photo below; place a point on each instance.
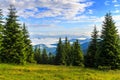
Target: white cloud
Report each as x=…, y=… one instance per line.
x=53, y=37
x=107, y=3
x=47, y=41
x=63, y=8
x=90, y=11
x=114, y=1
x=116, y=18
x=116, y=5
x=116, y=11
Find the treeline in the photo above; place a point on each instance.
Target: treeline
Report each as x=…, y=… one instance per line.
x=69, y=54
x=103, y=51
x=41, y=56
x=15, y=45
x=66, y=54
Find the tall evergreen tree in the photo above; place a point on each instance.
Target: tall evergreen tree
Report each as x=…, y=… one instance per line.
x=78, y=58
x=1, y=32
x=60, y=53
x=1, y=17
x=67, y=48
x=44, y=56
x=14, y=51
x=28, y=46
x=37, y=55
x=51, y=58
x=92, y=49
x=110, y=52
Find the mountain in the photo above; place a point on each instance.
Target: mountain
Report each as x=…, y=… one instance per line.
x=48, y=49
x=84, y=42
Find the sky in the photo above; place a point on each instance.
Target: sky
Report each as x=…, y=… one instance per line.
x=61, y=17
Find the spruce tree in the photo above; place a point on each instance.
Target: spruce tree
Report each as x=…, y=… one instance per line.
x=1, y=33
x=60, y=53
x=44, y=56
x=51, y=58
x=67, y=48
x=78, y=58
x=37, y=55
x=110, y=52
x=92, y=50
x=28, y=46
x=14, y=51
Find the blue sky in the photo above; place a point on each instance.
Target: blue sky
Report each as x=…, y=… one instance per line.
x=63, y=16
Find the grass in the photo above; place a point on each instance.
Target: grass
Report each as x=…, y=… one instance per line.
x=51, y=72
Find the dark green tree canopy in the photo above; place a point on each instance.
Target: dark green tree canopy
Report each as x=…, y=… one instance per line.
x=14, y=51
x=109, y=51
x=60, y=56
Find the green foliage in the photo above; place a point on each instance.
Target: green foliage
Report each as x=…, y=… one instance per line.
x=37, y=55
x=109, y=50
x=44, y=57
x=67, y=49
x=14, y=50
x=104, y=68
x=60, y=54
x=1, y=32
x=28, y=46
x=51, y=58
x=92, y=50
x=69, y=54
x=78, y=58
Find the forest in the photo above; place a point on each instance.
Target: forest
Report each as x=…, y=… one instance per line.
x=15, y=46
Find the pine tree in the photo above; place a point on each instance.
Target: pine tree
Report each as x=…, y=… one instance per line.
x=78, y=58
x=44, y=56
x=92, y=50
x=28, y=46
x=1, y=33
x=110, y=53
x=37, y=55
x=60, y=53
x=67, y=48
x=14, y=51
x=51, y=58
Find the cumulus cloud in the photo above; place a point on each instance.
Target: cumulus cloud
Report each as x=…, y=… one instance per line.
x=48, y=8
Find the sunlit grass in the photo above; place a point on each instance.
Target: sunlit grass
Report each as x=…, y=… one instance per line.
x=51, y=72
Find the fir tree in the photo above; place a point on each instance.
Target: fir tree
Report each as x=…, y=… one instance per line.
x=1, y=33
x=44, y=56
x=51, y=58
x=92, y=49
x=78, y=58
x=14, y=51
x=67, y=48
x=37, y=55
x=60, y=53
x=28, y=46
x=110, y=53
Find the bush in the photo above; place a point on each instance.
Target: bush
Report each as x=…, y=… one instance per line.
x=104, y=67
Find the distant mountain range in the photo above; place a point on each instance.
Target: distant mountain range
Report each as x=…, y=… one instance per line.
x=84, y=42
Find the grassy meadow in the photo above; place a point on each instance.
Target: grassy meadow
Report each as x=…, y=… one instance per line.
x=51, y=72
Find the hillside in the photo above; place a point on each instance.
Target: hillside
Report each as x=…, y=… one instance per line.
x=51, y=72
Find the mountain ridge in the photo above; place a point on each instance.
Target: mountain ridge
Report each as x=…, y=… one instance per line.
x=84, y=42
